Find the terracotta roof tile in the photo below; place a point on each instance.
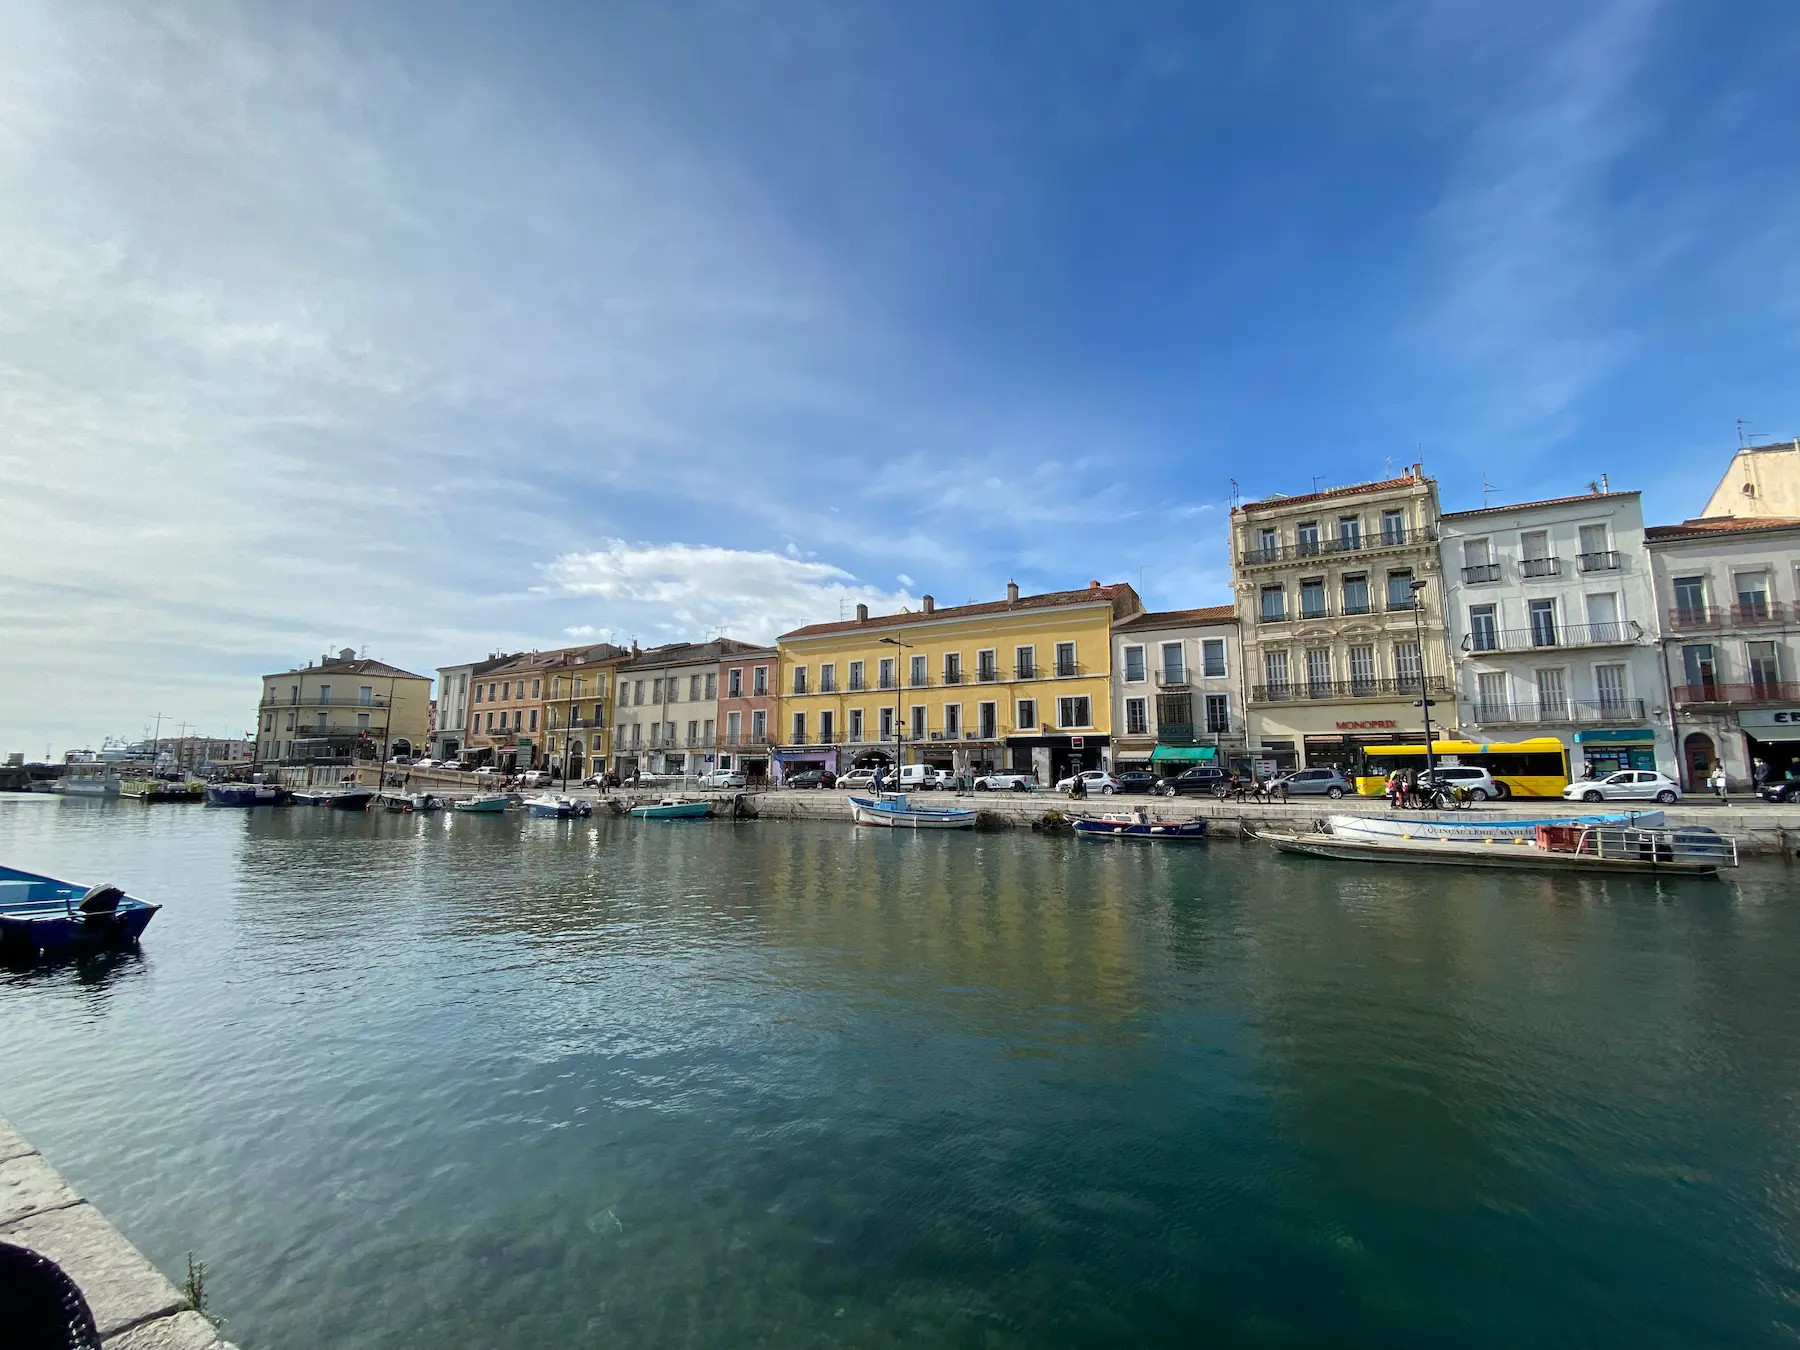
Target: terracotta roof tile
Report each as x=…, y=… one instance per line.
x=1710, y=525
x=1087, y=595
x=364, y=667
x=1384, y=485
x=1169, y=618
x=1543, y=501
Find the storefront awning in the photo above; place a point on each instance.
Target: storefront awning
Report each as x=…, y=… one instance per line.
x=1189, y=754
x=1636, y=736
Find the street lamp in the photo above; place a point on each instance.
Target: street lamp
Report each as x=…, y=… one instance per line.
x=896, y=642
x=1424, y=703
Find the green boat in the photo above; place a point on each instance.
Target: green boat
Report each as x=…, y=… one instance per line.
x=673, y=808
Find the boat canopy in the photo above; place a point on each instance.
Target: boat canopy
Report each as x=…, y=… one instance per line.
x=1187, y=754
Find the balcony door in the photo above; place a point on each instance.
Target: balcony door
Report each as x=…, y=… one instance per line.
x=1603, y=618
x=1700, y=670
x=1609, y=683
x=1690, y=600
x=1543, y=623
x=1552, y=696
x=1490, y=697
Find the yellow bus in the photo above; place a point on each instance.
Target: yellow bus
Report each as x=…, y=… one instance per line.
x=1535, y=768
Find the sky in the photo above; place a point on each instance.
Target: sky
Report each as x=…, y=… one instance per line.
x=441, y=329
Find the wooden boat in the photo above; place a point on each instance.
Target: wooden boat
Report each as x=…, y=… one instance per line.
x=485, y=803
x=1589, y=848
x=559, y=808
x=896, y=812
x=673, y=808
x=1139, y=825
x=1402, y=825
x=246, y=794
x=42, y=914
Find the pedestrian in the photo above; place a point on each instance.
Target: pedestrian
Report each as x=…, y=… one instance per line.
x=1717, y=781
x=1392, y=790
x=880, y=778
x=1759, y=771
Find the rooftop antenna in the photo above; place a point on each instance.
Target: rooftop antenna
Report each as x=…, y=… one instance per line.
x=1316, y=478
x=1743, y=426
x=1234, y=493
x=1486, y=488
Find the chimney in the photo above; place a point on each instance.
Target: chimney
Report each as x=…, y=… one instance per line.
x=635, y=649
x=930, y=604
x=1093, y=585
x=862, y=613
x=1012, y=592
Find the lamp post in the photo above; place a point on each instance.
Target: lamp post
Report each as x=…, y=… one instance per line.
x=898, y=644
x=1424, y=703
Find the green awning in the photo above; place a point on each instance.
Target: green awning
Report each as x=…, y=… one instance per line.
x=1643, y=737
x=1194, y=754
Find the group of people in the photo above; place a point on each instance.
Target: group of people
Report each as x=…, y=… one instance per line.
x=1404, y=790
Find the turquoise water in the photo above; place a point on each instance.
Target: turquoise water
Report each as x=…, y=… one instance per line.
x=484, y=1081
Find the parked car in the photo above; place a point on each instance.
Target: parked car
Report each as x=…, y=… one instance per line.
x=810, y=778
x=1005, y=780
x=857, y=778
x=1628, y=785
x=1787, y=790
x=1136, y=780
x=920, y=777
x=534, y=778
x=1202, y=778
x=1315, y=783
x=1478, y=783
x=1099, y=783
x=722, y=778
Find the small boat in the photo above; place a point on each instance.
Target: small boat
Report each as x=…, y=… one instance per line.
x=672, y=808
x=411, y=803
x=160, y=790
x=1691, y=851
x=314, y=796
x=349, y=798
x=895, y=812
x=486, y=803
x=90, y=779
x=246, y=794
x=42, y=914
x=1139, y=825
x=1400, y=825
x=559, y=808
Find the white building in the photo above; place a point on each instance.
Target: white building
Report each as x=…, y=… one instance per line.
x=1730, y=595
x=1178, y=690
x=1551, y=621
x=668, y=707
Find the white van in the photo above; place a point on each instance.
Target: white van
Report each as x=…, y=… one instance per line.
x=921, y=778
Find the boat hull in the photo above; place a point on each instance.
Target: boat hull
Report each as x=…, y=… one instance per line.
x=245, y=794
x=484, y=806
x=900, y=815
x=563, y=808
x=350, y=799
x=1403, y=826
x=1148, y=832
x=1503, y=855
x=677, y=811
x=41, y=914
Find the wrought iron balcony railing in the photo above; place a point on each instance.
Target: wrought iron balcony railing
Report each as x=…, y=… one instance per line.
x=1760, y=691
x=1345, y=689
x=1171, y=679
x=1344, y=544
x=1474, y=576
x=1621, y=632
x=1598, y=562
x=1540, y=567
x=1568, y=711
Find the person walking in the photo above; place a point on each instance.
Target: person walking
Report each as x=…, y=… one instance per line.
x=1717, y=781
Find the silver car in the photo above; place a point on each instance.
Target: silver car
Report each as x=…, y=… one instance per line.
x=1317, y=783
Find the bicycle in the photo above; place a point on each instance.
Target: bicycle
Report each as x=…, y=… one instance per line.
x=1452, y=797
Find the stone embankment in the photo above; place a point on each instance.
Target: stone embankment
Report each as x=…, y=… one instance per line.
x=134, y=1306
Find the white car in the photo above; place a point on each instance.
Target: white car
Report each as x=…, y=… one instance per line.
x=1099, y=783
x=1628, y=785
x=425, y=764
x=1005, y=780
x=723, y=778
x=1478, y=783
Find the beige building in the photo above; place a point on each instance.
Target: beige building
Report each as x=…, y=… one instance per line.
x=1178, y=691
x=342, y=708
x=1761, y=482
x=667, y=706
x=1340, y=610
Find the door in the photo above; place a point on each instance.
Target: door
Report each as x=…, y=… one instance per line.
x=1543, y=623
x=1697, y=752
x=1603, y=618
x=1610, y=682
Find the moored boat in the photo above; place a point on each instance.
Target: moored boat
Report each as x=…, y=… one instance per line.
x=485, y=803
x=1692, y=851
x=246, y=794
x=896, y=812
x=1400, y=825
x=90, y=779
x=672, y=808
x=1139, y=825
x=353, y=798
x=41, y=914
x=559, y=808
x=161, y=790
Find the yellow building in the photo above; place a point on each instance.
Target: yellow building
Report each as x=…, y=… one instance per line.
x=1022, y=683
x=577, y=692
x=342, y=708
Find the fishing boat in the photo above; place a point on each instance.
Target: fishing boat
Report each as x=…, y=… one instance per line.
x=559, y=808
x=1139, y=825
x=314, y=796
x=411, y=803
x=673, y=808
x=161, y=790
x=1691, y=851
x=246, y=794
x=485, y=803
x=42, y=914
x=895, y=812
x=1462, y=826
x=92, y=779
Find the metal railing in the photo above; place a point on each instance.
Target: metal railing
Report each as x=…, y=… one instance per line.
x=1358, y=543
x=1171, y=679
x=1569, y=711
x=1481, y=572
x=953, y=677
x=1540, y=567
x=1697, y=618
x=349, y=703
x=1553, y=635
x=1068, y=669
x=1025, y=672
x=1345, y=689
x=987, y=674
x=1763, y=691
x=1598, y=562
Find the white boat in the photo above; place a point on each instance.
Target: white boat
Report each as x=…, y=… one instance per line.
x=1401, y=825
x=895, y=812
x=1692, y=851
x=91, y=780
x=559, y=808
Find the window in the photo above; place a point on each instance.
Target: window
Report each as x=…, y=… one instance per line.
x=503, y=719
x=885, y=674
x=478, y=693
x=799, y=679
x=505, y=690
x=1399, y=589
x=856, y=724
x=656, y=691
x=1393, y=527
x=760, y=685
x=1593, y=541
x=1312, y=598
x=1478, y=561
x=693, y=732
x=1490, y=696
x=1134, y=665
x=1552, y=695
x=1174, y=663
x=637, y=692
x=324, y=693
x=637, y=734
x=734, y=727
x=987, y=665
x=599, y=714
x=534, y=719
x=1274, y=604
x=1072, y=712
x=1407, y=667
x=953, y=721
x=1318, y=670
x=734, y=683
x=1536, y=562
x=1543, y=623
x=694, y=684
x=799, y=737
x=712, y=684
x=1603, y=619
x=917, y=672
x=828, y=679
x=1275, y=671
x=1268, y=542
x=759, y=726
x=918, y=721
x=1307, y=538
x=1212, y=657
x=490, y=697
x=1765, y=664
x=827, y=726
x=1065, y=659
x=952, y=667
x=537, y=688
x=1350, y=533
x=672, y=688
x=1025, y=663
x=1752, y=596
x=1356, y=594
x=1027, y=715
x=887, y=724
x=490, y=721
x=1362, y=669
x=365, y=695
x=1218, y=714
x=290, y=725
x=1609, y=682
x=1137, y=717
x=1484, y=632
x=987, y=721
x=856, y=676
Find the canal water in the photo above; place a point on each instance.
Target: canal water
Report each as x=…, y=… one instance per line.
x=496, y=1082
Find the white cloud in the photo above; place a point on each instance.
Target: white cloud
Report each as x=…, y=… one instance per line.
x=664, y=592
x=904, y=580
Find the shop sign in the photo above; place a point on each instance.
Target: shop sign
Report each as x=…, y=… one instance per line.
x=1759, y=717
x=1075, y=742
x=1385, y=725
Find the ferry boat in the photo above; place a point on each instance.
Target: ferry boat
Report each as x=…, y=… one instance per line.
x=41, y=914
x=895, y=811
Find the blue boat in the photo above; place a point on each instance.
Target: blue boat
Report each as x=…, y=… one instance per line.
x=896, y=812
x=559, y=808
x=1139, y=826
x=673, y=808
x=246, y=794
x=42, y=914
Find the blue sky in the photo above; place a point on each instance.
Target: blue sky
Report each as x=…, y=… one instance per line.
x=443, y=328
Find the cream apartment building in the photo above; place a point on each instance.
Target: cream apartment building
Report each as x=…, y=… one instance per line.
x=1178, y=691
x=339, y=708
x=668, y=707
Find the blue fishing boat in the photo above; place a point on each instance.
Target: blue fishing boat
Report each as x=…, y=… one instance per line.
x=896, y=812
x=1140, y=826
x=672, y=808
x=246, y=794
x=42, y=914
x=485, y=803
x=559, y=808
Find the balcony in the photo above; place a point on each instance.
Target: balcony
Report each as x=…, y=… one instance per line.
x=1352, y=545
x=1766, y=691
x=953, y=677
x=1068, y=670
x=351, y=704
x=1569, y=712
x=1552, y=635
x=1321, y=690
x=1171, y=679
x=1540, y=567
x=744, y=739
x=798, y=738
x=1597, y=562
x=987, y=674
x=1026, y=672
x=1480, y=573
